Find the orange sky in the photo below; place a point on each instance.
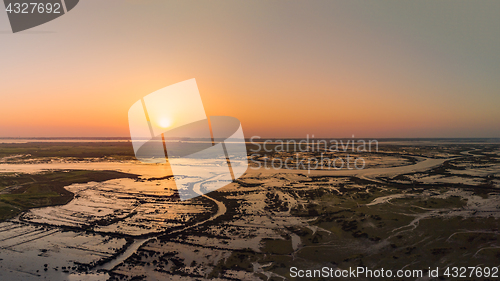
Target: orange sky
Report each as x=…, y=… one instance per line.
x=284, y=68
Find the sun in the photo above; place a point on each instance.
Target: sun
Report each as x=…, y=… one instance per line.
x=164, y=122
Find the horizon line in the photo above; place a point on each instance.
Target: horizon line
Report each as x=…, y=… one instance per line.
x=269, y=138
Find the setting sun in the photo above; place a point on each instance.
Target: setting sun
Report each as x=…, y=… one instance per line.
x=164, y=122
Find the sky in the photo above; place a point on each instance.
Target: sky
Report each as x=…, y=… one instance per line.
x=332, y=69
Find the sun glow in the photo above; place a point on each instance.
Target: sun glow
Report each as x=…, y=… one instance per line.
x=164, y=122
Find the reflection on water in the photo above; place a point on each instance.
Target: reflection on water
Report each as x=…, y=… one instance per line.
x=122, y=221
x=88, y=277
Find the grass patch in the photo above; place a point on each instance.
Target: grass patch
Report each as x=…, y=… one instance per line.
x=46, y=189
x=7, y=211
x=118, y=150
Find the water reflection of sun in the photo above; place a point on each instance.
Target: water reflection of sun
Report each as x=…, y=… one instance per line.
x=164, y=122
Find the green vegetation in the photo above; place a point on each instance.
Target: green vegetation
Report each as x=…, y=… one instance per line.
x=21, y=192
x=12, y=179
x=414, y=228
x=277, y=246
x=7, y=211
x=117, y=150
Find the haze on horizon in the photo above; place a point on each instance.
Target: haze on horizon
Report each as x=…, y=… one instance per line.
x=387, y=69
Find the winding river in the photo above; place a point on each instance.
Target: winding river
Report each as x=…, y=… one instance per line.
x=148, y=170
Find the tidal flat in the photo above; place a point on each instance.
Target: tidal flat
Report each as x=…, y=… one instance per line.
x=89, y=211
